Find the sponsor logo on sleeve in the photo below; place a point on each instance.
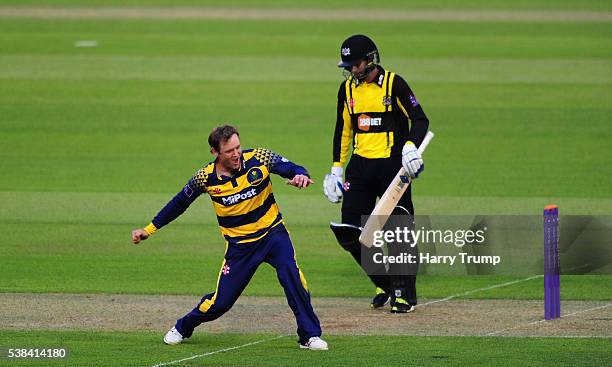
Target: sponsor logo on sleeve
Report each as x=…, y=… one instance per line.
x=413, y=101
x=188, y=190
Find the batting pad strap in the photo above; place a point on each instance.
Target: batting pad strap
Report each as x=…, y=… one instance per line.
x=150, y=228
x=347, y=236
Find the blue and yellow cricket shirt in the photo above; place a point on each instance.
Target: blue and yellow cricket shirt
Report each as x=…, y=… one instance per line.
x=244, y=203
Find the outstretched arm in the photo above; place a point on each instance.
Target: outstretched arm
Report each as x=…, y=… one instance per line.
x=297, y=175
x=175, y=207
x=300, y=181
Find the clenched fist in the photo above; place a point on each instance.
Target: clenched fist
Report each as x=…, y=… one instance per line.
x=139, y=235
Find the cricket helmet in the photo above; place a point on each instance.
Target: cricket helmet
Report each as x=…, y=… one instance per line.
x=356, y=48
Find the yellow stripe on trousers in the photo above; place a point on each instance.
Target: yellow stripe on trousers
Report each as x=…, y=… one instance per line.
x=207, y=304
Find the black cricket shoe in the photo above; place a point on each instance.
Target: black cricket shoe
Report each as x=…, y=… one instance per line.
x=380, y=299
x=399, y=305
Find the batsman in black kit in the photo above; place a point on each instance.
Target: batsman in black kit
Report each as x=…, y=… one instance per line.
x=379, y=115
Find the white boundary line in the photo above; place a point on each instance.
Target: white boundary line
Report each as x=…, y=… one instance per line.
x=552, y=336
x=499, y=332
x=217, y=351
x=479, y=290
x=496, y=333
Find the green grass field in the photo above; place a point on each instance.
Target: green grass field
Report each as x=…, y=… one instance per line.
x=96, y=140
x=142, y=349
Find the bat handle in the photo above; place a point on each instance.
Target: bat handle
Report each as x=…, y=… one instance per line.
x=425, y=142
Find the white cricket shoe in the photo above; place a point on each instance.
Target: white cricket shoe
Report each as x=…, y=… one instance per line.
x=173, y=337
x=314, y=343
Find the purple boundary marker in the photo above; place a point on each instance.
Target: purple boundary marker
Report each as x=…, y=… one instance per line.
x=552, y=296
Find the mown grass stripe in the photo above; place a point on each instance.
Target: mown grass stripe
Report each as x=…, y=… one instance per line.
x=444, y=15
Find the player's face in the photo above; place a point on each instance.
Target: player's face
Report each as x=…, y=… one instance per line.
x=358, y=70
x=229, y=153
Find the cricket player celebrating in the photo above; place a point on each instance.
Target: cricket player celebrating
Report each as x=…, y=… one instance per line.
x=238, y=182
x=379, y=115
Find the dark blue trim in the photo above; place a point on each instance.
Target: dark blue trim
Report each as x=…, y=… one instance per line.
x=261, y=232
x=175, y=207
x=288, y=170
x=250, y=217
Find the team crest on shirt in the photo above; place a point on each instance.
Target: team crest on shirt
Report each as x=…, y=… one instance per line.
x=386, y=101
x=254, y=176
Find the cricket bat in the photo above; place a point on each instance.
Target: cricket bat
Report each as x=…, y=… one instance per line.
x=389, y=200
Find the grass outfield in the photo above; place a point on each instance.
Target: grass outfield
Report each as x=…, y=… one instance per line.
x=342, y=4
x=75, y=113
x=130, y=349
x=79, y=244
x=96, y=140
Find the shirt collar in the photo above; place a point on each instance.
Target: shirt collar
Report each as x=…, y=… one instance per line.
x=221, y=177
x=380, y=78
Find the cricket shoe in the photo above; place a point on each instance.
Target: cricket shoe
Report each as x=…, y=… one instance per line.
x=314, y=343
x=399, y=305
x=380, y=299
x=173, y=337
